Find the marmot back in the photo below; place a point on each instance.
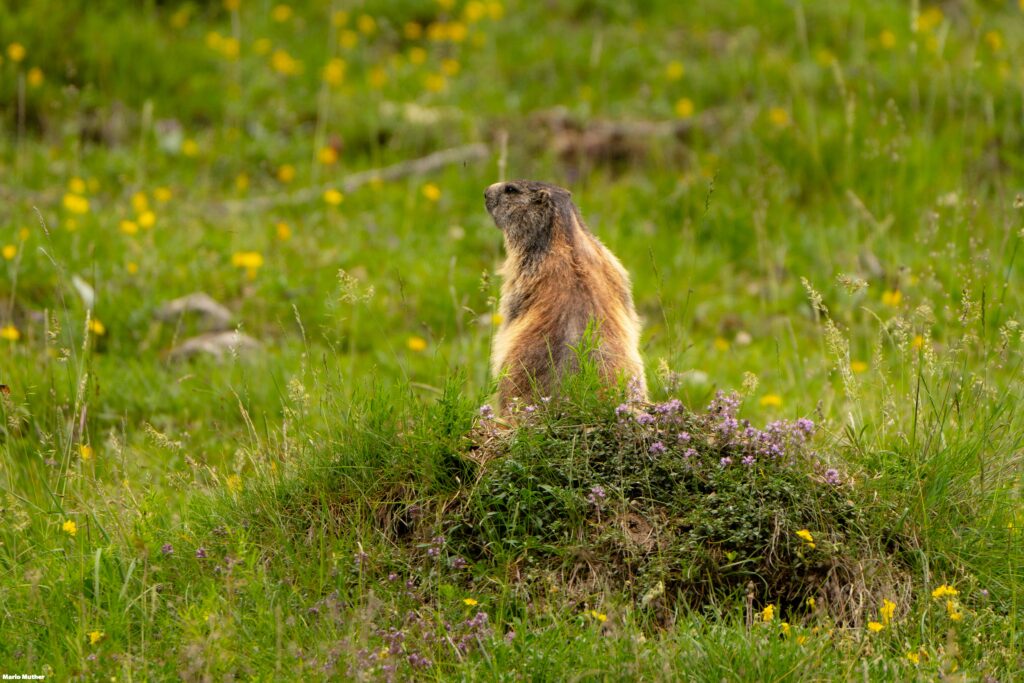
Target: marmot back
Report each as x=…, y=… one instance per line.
x=557, y=279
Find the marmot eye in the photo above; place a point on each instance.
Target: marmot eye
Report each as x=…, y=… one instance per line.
x=511, y=189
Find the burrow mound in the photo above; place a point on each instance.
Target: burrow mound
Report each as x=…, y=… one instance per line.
x=673, y=507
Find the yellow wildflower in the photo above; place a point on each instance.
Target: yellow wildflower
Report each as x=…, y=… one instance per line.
x=684, y=108
x=887, y=39
x=785, y=628
x=334, y=72
x=416, y=343
x=76, y=185
x=450, y=67
x=129, y=227
x=234, y=483
x=366, y=24
x=858, y=366
x=232, y=5
x=929, y=19
x=70, y=528
x=377, y=77
x=805, y=535
x=23, y=234
x=147, y=219
x=417, y=55
x=281, y=13
x=432, y=192
x=286, y=173
x=457, y=32
x=918, y=341
x=140, y=202
x=180, y=18
x=230, y=48
x=10, y=251
x=953, y=611
x=434, y=82
x=943, y=591
x=190, y=148
x=779, y=117
x=994, y=40
x=474, y=11
x=16, y=51
x=470, y=601
x=35, y=77
x=412, y=30
x=913, y=657
x=800, y=640
x=132, y=267
x=96, y=327
x=887, y=610
x=339, y=18
x=348, y=39
x=497, y=319
x=162, y=194
x=496, y=10
x=773, y=400
x=284, y=64
x=95, y=637
x=768, y=613
x=811, y=602
x=875, y=626
x=85, y=451
x=327, y=156
x=600, y=616
x=892, y=297
x=333, y=197
x=252, y=261
x=721, y=344
x=674, y=70
x=76, y=203
x=284, y=231
x=10, y=333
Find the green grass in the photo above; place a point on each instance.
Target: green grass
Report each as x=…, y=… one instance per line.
x=835, y=236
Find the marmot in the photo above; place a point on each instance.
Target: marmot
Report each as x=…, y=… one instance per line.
x=557, y=278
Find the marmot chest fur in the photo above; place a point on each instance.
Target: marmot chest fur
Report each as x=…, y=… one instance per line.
x=557, y=279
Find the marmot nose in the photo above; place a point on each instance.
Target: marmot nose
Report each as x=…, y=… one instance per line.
x=493, y=190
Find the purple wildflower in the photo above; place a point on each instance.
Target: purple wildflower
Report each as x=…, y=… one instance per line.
x=748, y=460
x=200, y=552
x=690, y=453
x=167, y=549
x=726, y=461
x=684, y=437
x=510, y=636
x=597, y=494
x=458, y=563
x=645, y=419
x=832, y=476
x=486, y=412
x=530, y=408
x=657, y=448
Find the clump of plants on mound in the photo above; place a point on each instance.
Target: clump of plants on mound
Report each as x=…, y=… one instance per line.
x=671, y=506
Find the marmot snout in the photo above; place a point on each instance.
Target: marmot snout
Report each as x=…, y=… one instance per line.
x=557, y=278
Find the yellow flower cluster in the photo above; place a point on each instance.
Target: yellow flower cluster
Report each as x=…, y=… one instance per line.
x=226, y=46
x=252, y=261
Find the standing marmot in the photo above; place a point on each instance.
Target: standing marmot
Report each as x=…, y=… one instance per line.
x=557, y=278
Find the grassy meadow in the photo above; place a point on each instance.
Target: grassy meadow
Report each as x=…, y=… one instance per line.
x=820, y=204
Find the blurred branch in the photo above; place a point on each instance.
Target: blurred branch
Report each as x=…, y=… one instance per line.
x=426, y=164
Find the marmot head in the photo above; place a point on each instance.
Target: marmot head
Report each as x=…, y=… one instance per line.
x=529, y=212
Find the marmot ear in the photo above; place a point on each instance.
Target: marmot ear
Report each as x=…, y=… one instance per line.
x=542, y=196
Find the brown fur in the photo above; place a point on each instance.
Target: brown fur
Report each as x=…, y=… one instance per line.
x=557, y=278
